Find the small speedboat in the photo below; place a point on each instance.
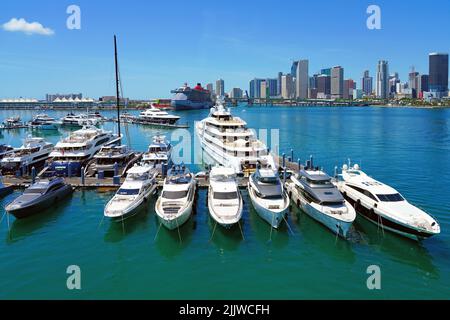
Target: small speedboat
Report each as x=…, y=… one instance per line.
x=41, y=195
x=312, y=190
x=384, y=206
x=174, y=205
x=268, y=196
x=224, y=198
x=139, y=185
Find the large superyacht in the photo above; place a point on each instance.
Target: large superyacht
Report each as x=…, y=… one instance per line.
x=228, y=141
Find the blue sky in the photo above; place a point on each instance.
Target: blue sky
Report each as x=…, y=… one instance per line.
x=165, y=43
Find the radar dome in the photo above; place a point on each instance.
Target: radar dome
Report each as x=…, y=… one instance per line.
x=344, y=167
x=356, y=167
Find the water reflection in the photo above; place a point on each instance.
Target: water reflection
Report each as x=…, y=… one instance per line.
x=168, y=242
x=399, y=248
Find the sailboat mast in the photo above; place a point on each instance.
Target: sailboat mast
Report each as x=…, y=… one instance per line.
x=117, y=85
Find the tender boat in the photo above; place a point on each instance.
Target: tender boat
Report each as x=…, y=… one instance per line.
x=13, y=122
x=385, y=206
x=43, y=122
x=155, y=115
x=174, y=205
x=267, y=194
x=139, y=185
x=224, y=198
x=41, y=195
x=158, y=154
x=313, y=191
x=72, y=153
x=109, y=155
x=228, y=142
x=33, y=152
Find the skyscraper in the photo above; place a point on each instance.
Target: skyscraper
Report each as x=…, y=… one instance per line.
x=280, y=74
x=302, y=79
x=294, y=69
x=367, y=83
x=210, y=88
x=324, y=85
x=424, y=80
x=220, y=87
x=236, y=93
x=287, y=86
x=337, y=82
x=382, y=85
x=349, y=86
x=255, y=88
x=438, y=74
x=272, y=85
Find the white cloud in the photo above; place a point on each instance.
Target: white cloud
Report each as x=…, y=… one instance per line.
x=29, y=28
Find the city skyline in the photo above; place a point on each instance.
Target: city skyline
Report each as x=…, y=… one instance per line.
x=81, y=60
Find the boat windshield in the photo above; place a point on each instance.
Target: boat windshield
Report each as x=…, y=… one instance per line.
x=174, y=194
x=127, y=192
x=396, y=197
x=35, y=191
x=225, y=195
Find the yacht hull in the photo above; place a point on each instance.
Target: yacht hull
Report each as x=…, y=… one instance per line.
x=387, y=224
x=41, y=204
x=5, y=190
x=62, y=168
x=274, y=218
x=175, y=221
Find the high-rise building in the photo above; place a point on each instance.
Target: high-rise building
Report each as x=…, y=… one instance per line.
x=323, y=85
x=220, y=87
x=393, y=80
x=255, y=88
x=424, y=80
x=264, y=87
x=271, y=87
x=302, y=80
x=287, y=86
x=337, y=82
x=326, y=71
x=280, y=74
x=349, y=86
x=236, y=93
x=382, y=84
x=367, y=83
x=210, y=88
x=438, y=74
x=294, y=69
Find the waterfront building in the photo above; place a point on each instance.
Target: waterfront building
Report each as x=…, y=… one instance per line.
x=312, y=93
x=413, y=82
x=423, y=82
x=236, y=93
x=357, y=93
x=280, y=74
x=326, y=71
x=220, y=88
x=393, y=80
x=52, y=97
x=349, y=86
x=438, y=74
x=210, y=88
x=324, y=84
x=271, y=87
x=302, y=79
x=313, y=81
x=294, y=69
x=367, y=83
x=255, y=88
x=382, y=84
x=337, y=82
x=264, y=93
x=287, y=87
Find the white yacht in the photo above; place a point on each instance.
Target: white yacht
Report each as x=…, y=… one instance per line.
x=79, y=120
x=224, y=198
x=228, y=141
x=43, y=122
x=108, y=157
x=139, y=185
x=384, y=206
x=267, y=194
x=158, y=154
x=155, y=115
x=73, y=152
x=174, y=205
x=5, y=149
x=313, y=191
x=33, y=152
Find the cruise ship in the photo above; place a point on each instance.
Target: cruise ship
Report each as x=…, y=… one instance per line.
x=73, y=152
x=228, y=142
x=187, y=98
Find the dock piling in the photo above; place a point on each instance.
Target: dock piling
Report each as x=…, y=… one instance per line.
x=33, y=174
x=82, y=176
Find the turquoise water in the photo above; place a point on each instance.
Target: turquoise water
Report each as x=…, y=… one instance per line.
x=406, y=148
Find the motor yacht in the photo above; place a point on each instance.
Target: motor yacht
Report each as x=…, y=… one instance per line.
x=158, y=154
x=72, y=153
x=175, y=204
x=384, y=206
x=312, y=190
x=5, y=149
x=43, y=122
x=109, y=157
x=155, y=115
x=41, y=195
x=268, y=197
x=224, y=198
x=139, y=185
x=32, y=153
x=228, y=142
x=79, y=120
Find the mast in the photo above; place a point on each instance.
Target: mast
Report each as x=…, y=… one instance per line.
x=117, y=85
